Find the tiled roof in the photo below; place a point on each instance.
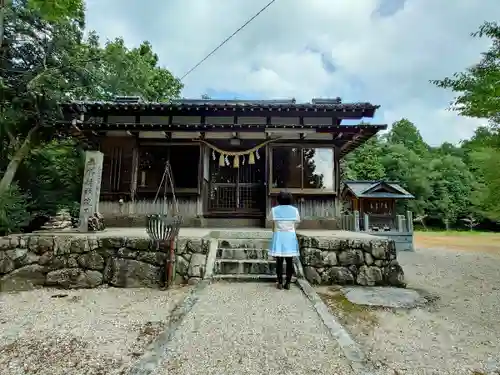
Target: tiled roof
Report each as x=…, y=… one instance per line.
x=315, y=104
x=370, y=189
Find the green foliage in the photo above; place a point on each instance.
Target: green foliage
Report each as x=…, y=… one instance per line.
x=57, y=9
x=46, y=60
x=52, y=176
x=13, y=210
x=445, y=186
x=477, y=88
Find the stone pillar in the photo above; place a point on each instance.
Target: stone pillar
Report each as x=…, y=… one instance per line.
x=401, y=223
x=366, y=223
x=91, y=188
x=356, y=221
x=409, y=221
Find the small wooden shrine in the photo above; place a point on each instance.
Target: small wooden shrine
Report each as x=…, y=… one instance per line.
x=228, y=157
x=377, y=199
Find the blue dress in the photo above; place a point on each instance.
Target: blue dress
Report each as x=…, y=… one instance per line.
x=284, y=242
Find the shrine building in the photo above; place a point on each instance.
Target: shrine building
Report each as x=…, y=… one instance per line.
x=228, y=158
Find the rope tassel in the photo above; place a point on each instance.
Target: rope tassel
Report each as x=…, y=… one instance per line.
x=221, y=160
x=251, y=158
x=236, y=161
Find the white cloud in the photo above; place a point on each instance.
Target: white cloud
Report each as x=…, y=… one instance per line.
x=387, y=60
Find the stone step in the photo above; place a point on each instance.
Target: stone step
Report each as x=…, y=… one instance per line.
x=248, y=277
x=246, y=266
x=244, y=243
x=243, y=253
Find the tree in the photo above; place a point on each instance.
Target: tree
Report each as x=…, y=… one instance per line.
x=122, y=71
x=42, y=65
x=365, y=163
x=406, y=133
x=53, y=64
x=53, y=10
x=478, y=88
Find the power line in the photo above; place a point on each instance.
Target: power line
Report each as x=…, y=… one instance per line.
x=227, y=39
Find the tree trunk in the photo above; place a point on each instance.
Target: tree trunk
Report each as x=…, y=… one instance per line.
x=16, y=161
x=3, y=9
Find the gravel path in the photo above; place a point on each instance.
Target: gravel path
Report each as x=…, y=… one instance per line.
x=95, y=331
x=458, y=333
x=253, y=329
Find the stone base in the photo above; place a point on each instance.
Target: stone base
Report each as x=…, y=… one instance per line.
x=362, y=261
x=315, y=224
x=71, y=262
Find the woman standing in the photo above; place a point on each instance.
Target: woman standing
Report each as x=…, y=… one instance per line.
x=284, y=245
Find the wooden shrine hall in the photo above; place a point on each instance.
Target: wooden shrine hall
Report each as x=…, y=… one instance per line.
x=228, y=158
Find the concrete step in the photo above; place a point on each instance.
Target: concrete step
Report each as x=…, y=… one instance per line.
x=243, y=253
x=248, y=277
x=243, y=223
x=245, y=266
x=244, y=243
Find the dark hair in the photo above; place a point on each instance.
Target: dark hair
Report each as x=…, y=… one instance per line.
x=284, y=198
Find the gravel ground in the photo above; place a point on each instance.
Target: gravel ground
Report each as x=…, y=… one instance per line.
x=250, y=329
x=93, y=331
x=457, y=334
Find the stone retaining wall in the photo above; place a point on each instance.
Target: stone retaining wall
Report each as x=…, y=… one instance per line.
x=86, y=262
x=365, y=262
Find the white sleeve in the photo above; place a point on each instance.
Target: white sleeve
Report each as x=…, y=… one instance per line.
x=297, y=215
x=270, y=216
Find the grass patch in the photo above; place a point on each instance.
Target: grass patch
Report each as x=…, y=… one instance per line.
x=349, y=314
x=465, y=233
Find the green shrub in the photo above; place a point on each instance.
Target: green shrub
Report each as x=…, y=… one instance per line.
x=13, y=211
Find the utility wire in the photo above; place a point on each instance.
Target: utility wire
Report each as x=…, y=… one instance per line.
x=227, y=39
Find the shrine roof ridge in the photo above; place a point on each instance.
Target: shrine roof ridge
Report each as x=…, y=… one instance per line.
x=272, y=104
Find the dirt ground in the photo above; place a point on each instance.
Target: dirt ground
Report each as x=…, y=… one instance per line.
x=462, y=241
x=457, y=331
x=80, y=332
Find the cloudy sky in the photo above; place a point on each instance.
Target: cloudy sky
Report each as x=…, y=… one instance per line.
x=381, y=51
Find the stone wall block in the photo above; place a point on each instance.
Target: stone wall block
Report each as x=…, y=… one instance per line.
x=181, y=266
x=93, y=243
x=197, y=265
x=152, y=257
x=125, y=252
x=74, y=278
x=62, y=245
x=52, y=262
x=368, y=259
x=197, y=246
x=6, y=264
x=7, y=243
x=79, y=245
x=312, y=275
x=112, y=242
x=139, y=244
x=129, y=273
x=369, y=276
x=41, y=244
x=312, y=257
x=379, y=249
x=24, y=278
x=394, y=275
x=340, y=275
x=91, y=260
x=351, y=257
x=329, y=258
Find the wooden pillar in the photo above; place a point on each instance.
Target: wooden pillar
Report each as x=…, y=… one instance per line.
x=336, y=180
x=91, y=187
x=133, y=179
x=201, y=180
